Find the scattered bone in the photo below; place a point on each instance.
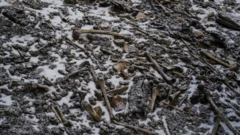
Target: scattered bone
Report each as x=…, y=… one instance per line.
x=117, y=103
x=221, y=115
x=96, y=116
x=217, y=121
x=164, y=76
x=74, y=73
x=77, y=33
x=155, y=93
x=118, y=91
x=215, y=59
x=135, y=128
x=100, y=82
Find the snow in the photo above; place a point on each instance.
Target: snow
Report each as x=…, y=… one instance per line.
x=52, y=74
x=5, y=100
x=3, y=3
x=65, y=99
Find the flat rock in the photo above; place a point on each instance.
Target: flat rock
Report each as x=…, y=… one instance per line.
x=119, y=42
x=141, y=17
x=197, y=33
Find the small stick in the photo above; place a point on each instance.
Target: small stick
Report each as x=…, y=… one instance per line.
x=179, y=74
x=74, y=44
x=221, y=115
x=59, y=120
x=135, y=128
x=56, y=114
x=168, y=79
x=183, y=99
x=40, y=86
x=63, y=118
x=118, y=91
x=180, y=12
x=173, y=106
x=62, y=16
x=230, y=106
x=230, y=87
x=100, y=82
x=173, y=97
x=74, y=72
x=94, y=75
x=46, y=79
x=76, y=33
x=42, y=47
x=215, y=59
x=170, y=91
x=217, y=121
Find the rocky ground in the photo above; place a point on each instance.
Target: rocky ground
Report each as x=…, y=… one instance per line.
x=71, y=67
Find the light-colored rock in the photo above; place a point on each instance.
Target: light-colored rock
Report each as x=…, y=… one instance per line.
x=197, y=33
x=105, y=25
x=141, y=17
x=120, y=66
x=117, y=103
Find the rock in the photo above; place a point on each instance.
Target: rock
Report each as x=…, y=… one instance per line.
x=98, y=95
x=132, y=49
x=165, y=41
x=120, y=66
x=92, y=101
x=71, y=1
x=117, y=103
x=197, y=33
x=119, y=42
x=141, y=17
x=124, y=75
x=104, y=25
x=139, y=96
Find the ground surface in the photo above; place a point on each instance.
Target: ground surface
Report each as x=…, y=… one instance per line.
x=41, y=92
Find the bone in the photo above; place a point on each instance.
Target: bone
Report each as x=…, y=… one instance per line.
x=102, y=86
x=77, y=33
x=90, y=110
x=63, y=118
x=100, y=82
x=155, y=93
x=74, y=44
x=135, y=128
x=168, y=79
x=118, y=91
x=230, y=106
x=74, y=72
x=221, y=115
x=56, y=114
x=217, y=121
x=215, y=59
x=206, y=17
x=172, y=106
x=183, y=99
x=62, y=16
x=174, y=96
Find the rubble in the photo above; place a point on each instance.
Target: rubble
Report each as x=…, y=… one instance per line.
x=119, y=67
